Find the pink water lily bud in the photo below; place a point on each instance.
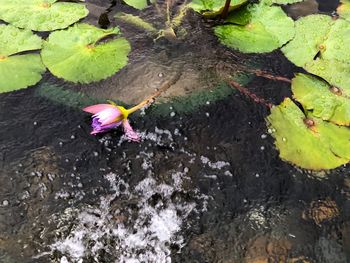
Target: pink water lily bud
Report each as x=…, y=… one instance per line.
x=108, y=116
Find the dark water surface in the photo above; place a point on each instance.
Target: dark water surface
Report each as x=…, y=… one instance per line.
x=204, y=185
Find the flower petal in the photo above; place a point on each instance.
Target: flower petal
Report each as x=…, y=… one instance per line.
x=129, y=132
x=98, y=128
x=108, y=115
x=97, y=108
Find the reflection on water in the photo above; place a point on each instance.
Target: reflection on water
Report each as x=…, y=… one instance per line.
x=202, y=186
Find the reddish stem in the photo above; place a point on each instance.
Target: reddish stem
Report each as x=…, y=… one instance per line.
x=249, y=94
x=226, y=9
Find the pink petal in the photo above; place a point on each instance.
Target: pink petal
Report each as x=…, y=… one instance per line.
x=129, y=132
x=97, y=108
x=108, y=116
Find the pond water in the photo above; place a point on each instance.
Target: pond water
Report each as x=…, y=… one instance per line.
x=204, y=185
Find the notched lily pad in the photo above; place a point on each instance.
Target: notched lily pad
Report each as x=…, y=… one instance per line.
x=18, y=71
x=333, y=71
x=41, y=15
x=78, y=54
x=258, y=28
x=211, y=8
x=310, y=33
x=308, y=141
x=325, y=101
x=319, y=35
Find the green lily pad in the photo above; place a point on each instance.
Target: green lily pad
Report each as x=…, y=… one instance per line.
x=281, y=2
x=268, y=28
x=18, y=71
x=319, y=35
x=344, y=9
x=212, y=8
x=41, y=15
x=308, y=141
x=138, y=4
x=77, y=54
x=326, y=102
x=310, y=33
x=333, y=71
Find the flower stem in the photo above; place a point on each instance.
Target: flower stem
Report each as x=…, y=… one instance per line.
x=155, y=95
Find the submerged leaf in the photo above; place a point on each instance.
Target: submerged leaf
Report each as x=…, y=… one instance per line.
x=308, y=141
x=214, y=7
x=136, y=21
x=257, y=29
x=18, y=71
x=41, y=15
x=325, y=102
x=78, y=54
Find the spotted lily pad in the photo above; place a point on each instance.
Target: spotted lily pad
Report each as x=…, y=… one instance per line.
x=41, y=15
x=319, y=35
x=258, y=28
x=325, y=101
x=308, y=141
x=18, y=71
x=212, y=8
x=78, y=53
x=344, y=9
x=335, y=72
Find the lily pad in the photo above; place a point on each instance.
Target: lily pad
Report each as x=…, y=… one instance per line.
x=344, y=9
x=77, y=54
x=325, y=101
x=308, y=141
x=281, y=2
x=333, y=71
x=41, y=15
x=18, y=71
x=310, y=32
x=212, y=8
x=138, y=4
x=319, y=35
x=258, y=28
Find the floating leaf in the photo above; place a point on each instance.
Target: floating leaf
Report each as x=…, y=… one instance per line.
x=325, y=102
x=41, y=15
x=344, y=9
x=268, y=28
x=138, y=4
x=308, y=141
x=319, y=35
x=281, y=2
x=335, y=72
x=212, y=8
x=18, y=71
x=310, y=32
x=77, y=54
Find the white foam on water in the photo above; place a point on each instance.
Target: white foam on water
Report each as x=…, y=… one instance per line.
x=146, y=236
